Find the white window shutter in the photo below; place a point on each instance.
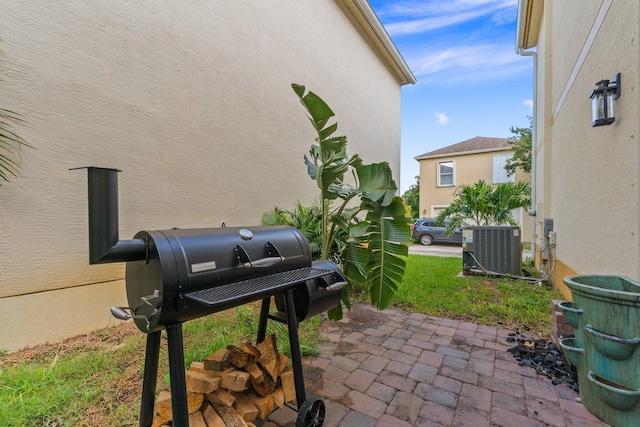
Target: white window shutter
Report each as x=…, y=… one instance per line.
x=499, y=174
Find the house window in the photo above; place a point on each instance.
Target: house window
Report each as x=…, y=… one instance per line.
x=499, y=174
x=445, y=174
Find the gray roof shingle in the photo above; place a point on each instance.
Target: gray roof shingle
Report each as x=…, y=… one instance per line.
x=479, y=143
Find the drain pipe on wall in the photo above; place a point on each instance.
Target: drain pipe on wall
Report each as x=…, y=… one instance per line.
x=532, y=212
x=522, y=12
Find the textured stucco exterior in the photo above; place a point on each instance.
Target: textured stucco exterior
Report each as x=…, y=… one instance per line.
x=469, y=169
x=192, y=101
x=587, y=178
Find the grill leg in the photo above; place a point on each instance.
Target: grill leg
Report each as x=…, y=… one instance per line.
x=149, y=378
x=264, y=314
x=177, y=376
x=294, y=343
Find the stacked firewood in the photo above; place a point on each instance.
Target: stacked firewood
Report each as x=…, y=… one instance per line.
x=233, y=387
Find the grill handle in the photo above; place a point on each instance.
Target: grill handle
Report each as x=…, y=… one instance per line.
x=126, y=313
x=264, y=262
x=245, y=260
x=333, y=287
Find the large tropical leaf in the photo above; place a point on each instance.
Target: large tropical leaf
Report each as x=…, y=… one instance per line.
x=376, y=182
x=387, y=253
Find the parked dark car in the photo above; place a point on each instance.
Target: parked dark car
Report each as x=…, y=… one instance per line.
x=426, y=232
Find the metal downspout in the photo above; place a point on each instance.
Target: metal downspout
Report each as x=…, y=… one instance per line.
x=534, y=142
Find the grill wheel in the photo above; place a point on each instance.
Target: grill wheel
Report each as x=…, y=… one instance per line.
x=311, y=413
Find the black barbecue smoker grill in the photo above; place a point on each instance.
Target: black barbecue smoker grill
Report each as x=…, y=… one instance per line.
x=176, y=275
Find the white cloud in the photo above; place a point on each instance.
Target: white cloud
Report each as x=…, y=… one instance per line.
x=467, y=63
x=442, y=118
x=419, y=16
x=528, y=103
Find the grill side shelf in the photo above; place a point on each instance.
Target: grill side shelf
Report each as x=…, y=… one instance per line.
x=254, y=289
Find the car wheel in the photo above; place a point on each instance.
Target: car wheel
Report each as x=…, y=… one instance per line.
x=426, y=239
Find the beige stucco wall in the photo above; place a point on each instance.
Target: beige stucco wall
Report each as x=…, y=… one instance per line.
x=192, y=100
x=588, y=177
x=468, y=169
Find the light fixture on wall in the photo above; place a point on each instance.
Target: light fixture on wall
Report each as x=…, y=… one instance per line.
x=602, y=101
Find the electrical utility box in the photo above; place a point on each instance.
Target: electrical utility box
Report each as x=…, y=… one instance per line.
x=491, y=249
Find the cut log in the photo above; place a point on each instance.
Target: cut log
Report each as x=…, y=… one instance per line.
x=196, y=420
x=265, y=387
x=251, y=350
x=237, y=357
x=221, y=397
x=217, y=361
x=163, y=403
x=197, y=366
x=269, y=357
x=245, y=408
x=265, y=404
x=211, y=416
x=160, y=421
x=201, y=382
x=282, y=362
x=278, y=397
x=229, y=416
x=235, y=380
x=288, y=384
x=255, y=372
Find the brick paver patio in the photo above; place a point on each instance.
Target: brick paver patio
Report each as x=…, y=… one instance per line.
x=395, y=369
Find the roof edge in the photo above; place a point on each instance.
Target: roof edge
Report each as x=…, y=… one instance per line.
x=376, y=30
x=461, y=153
x=528, y=24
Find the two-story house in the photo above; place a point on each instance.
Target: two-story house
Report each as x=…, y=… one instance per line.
x=467, y=162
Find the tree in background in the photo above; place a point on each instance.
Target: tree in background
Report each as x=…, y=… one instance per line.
x=521, y=147
x=411, y=198
x=485, y=204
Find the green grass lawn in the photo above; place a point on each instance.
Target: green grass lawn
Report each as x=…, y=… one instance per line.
x=434, y=286
x=95, y=380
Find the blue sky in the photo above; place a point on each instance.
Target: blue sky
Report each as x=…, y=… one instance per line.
x=470, y=80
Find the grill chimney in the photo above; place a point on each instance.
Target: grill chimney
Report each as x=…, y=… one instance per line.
x=104, y=244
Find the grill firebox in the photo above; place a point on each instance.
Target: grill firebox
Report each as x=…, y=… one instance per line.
x=176, y=275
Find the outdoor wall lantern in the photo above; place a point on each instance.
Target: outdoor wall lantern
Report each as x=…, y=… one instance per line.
x=602, y=101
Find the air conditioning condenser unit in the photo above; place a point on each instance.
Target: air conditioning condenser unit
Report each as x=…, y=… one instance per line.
x=491, y=249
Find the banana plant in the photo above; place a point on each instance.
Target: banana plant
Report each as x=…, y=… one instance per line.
x=365, y=208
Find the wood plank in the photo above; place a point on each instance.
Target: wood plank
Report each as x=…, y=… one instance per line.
x=221, y=396
x=229, y=416
x=201, y=382
x=217, y=361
